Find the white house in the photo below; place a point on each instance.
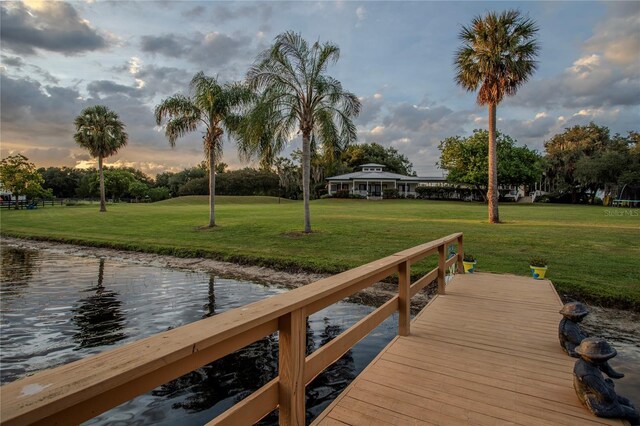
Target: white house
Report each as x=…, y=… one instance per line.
x=372, y=180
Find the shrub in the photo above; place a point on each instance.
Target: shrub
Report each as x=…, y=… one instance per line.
x=410, y=197
x=158, y=194
x=342, y=193
x=325, y=196
x=423, y=192
x=357, y=196
x=391, y=193
x=468, y=257
x=538, y=261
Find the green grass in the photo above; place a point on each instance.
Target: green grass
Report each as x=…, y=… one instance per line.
x=593, y=255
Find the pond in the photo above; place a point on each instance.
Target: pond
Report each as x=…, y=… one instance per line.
x=57, y=308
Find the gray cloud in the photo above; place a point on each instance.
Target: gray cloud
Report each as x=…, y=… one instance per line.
x=171, y=45
x=228, y=12
x=414, y=118
x=211, y=49
x=371, y=107
x=415, y=130
x=194, y=12
x=606, y=73
x=12, y=61
x=53, y=26
x=107, y=87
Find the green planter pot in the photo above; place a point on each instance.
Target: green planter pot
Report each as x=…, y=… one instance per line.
x=538, y=272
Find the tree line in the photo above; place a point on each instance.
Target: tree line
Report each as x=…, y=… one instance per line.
x=282, y=179
x=577, y=164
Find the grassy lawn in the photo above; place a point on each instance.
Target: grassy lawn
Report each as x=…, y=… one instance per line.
x=593, y=254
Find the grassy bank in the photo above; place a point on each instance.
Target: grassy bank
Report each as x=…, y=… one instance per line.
x=593, y=252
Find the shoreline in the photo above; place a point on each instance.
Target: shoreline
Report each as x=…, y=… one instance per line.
x=618, y=324
x=374, y=295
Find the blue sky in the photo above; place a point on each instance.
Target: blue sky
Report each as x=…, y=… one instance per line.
x=58, y=58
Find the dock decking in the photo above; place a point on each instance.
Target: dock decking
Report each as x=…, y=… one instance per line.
x=486, y=353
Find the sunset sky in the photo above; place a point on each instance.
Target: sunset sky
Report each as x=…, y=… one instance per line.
x=60, y=57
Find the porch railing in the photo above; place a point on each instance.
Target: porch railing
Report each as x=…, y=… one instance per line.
x=83, y=389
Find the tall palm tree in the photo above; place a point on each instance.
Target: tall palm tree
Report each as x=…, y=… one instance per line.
x=216, y=107
x=497, y=55
x=100, y=131
x=296, y=95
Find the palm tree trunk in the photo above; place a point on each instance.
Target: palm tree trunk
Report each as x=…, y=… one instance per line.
x=103, y=204
x=212, y=187
x=306, y=178
x=492, y=190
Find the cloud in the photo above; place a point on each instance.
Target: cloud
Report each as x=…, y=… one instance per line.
x=589, y=82
x=605, y=74
x=211, y=49
x=361, y=13
x=415, y=118
x=51, y=26
x=414, y=130
x=12, y=61
x=107, y=88
x=370, y=108
x=37, y=120
x=232, y=11
x=617, y=37
x=154, y=80
x=194, y=12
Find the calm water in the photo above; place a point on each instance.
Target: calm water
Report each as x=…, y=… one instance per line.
x=56, y=309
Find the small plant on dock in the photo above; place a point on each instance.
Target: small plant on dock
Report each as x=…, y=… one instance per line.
x=468, y=257
x=540, y=262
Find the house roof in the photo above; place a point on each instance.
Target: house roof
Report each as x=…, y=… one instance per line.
x=383, y=176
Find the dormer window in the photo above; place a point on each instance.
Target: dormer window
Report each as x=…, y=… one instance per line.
x=372, y=168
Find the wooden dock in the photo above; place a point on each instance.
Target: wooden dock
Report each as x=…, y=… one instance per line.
x=486, y=353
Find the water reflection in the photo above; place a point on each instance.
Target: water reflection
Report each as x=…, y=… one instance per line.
x=210, y=307
x=328, y=385
x=17, y=268
x=65, y=313
x=99, y=317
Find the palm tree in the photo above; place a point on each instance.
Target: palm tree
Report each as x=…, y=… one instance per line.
x=212, y=105
x=100, y=131
x=497, y=55
x=296, y=95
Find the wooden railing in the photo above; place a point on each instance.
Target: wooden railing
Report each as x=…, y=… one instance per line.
x=83, y=389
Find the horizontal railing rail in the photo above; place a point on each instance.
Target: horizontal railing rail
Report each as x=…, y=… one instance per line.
x=83, y=389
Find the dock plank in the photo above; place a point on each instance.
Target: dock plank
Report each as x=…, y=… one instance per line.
x=486, y=353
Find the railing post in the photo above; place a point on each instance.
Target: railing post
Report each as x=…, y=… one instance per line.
x=460, y=255
x=441, y=268
x=404, y=298
x=292, y=344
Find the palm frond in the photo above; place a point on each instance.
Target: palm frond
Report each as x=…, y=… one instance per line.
x=497, y=55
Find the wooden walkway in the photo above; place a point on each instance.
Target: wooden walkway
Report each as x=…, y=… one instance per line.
x=486, y=353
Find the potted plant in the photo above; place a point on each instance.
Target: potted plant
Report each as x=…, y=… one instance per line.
x=469, y=262
x=538, y=267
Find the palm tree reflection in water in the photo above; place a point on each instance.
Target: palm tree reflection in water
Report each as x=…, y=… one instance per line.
x=99, y=316
x=222, y=383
